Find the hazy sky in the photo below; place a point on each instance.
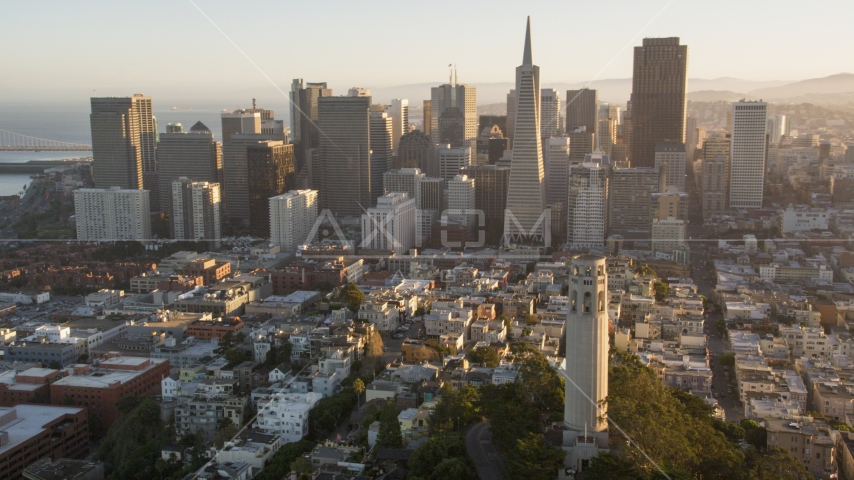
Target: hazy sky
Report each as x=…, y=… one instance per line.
x=60, y=49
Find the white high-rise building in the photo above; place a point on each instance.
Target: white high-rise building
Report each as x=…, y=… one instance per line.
x=399, y=113
x=292, y=216
x=451, y=160
x=776, y=127
x=667, y=234
x=550, y=113
x=402, y=180
x=196, y=211
x=747, y=154
x=525, y=217
x=586, y=433
x=109, y=214
x=461, y=199
x=390, y=226
x=671, y=158
x=556, y=165
x=587, y=205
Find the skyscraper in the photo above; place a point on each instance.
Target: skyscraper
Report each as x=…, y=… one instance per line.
x=110, y=214
x=550, y=113
x=390, y=226
x=463, y=97
x=582, y=109
x=304, y=117
x=427, y=121
x=196, y=211
x=415, y=150
x=747, y=154
x=270, y=169
x=382, y=132
x=587, y=205
x=236, y=175
x=586, y=431
x=344, y=154
x=628, y=202
x=402, y=180
x=451, y=160
x=195, y=155
x=123, y=144
x=581, y=143
x=526, y=217
x=714, y=182
x=556, y=165
x=239, y=122
x=777, y=127
x=490, y=188
x=399, y=113
x=461, y=198
x=452, y=128
x=292, y=216
x=659, y=97
x=511, y=115
x=671, y=157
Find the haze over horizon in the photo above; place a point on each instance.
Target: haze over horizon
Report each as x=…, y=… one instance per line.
x=170, y=51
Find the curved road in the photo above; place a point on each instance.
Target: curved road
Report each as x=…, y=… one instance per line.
x=483, y=453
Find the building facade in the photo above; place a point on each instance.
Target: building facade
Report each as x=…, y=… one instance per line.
x=110, y=214
x=292, y=217
x=747, y=155
x=196, y=212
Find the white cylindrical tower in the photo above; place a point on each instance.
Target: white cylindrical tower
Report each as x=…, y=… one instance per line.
x=587, y=345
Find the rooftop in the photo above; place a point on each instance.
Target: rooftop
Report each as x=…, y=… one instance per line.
x=30, y=421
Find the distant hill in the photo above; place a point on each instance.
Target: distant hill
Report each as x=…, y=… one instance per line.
x=716, y=96
x=834, y=84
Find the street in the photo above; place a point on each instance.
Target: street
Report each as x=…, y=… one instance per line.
x=483, y=453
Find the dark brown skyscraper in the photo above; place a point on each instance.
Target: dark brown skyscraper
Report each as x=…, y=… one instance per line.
x=582, y=110
x=304, y=118
x=270, y=168
x=659, y=101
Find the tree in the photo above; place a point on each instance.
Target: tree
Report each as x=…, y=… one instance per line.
x=302, y=466
x=374, y=351
x=283, y=459
x=507, y=321
x=359, y=388
x=727, y=360
x=531, y=320
x=456, y=468
x=389, y=435
x=778, y=464
x=661, y=291
x=423, y=353
x=486, y=356
x=351, y=296
x=235, y=356
x=456, y=409
x=428, y=456
x=526, y=331
x=754, y=434
x=225, y=431
x=533, y=459
x=646, y=271
x=135, y=441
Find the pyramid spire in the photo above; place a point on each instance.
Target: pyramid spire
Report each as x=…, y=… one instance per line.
x=528, y=57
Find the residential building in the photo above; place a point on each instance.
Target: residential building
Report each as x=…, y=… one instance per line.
x=659, y=97
x=123, y=144
x=34, y=432
x=112, y=214
x=286, y=415
x=196, y=212
x=747, y=155
x=214, y=401
x=526, y=217
x=292, y=217
x=805, y=441
x=383, y=315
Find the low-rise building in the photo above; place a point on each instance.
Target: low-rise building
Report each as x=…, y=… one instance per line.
x=213, y=401
x=33, y=432
x=210, y=328
x=806, y=441
x=286, y=415
x=383, y=315
x=253, y=448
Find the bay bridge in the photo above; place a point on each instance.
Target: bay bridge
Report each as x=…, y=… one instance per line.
x=16, y=142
